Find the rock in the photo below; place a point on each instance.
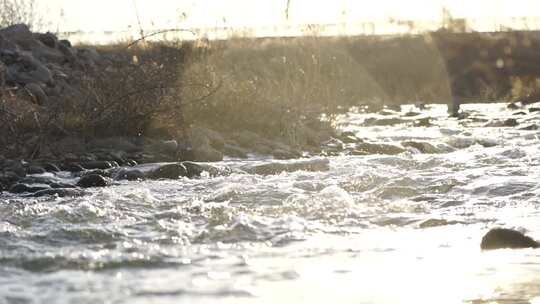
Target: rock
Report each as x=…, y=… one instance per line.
x=27, y=70
x=286, y=154
x=101, y=172
x=487, y=142
x=32, y=179
x=349, y=137
x=9, y=178
x=16, y=167
x=423, y=122
x=22, y=188
x=93, y=180
x=411, y=114
x=36, y=92
x=129, y=174
x=333, y=146
x=35, y=170
x=65, y=43
x=272, y=168
x=387, y=112
x=499, y=238
x=3, y=75
x=532, y=127
x=131, y=162
x=17, y=32
x=423, y=147
x=61, y=185
x=435, y=223
x=532, y=110
x=72, y=167
x=98, y=165
x=169, y=171
x=510, y=122
x=514, y=105
x=377, y=148
x=59, y=193
x=197, y=169
x=48, y=39
x=371, y=122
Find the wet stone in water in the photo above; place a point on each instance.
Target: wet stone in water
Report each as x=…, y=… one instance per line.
x=93, y=180
x=500, y=238
x=169, y=171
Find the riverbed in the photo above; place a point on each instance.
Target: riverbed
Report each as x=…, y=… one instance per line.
x=375, y=228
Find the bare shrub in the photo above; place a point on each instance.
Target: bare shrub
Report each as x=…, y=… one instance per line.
x=20, y=11
x=136, y=98
x=277, y=87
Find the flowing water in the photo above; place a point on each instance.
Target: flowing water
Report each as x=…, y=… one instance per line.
x=402, y=228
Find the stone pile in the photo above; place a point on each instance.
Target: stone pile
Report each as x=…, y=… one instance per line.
x=43, y=65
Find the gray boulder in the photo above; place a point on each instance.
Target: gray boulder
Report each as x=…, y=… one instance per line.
x=27, y=69
x=17, y=32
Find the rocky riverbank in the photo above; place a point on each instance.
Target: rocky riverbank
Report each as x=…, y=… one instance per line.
x=97, y=114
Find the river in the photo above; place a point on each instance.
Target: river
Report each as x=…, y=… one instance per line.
x=377, y=228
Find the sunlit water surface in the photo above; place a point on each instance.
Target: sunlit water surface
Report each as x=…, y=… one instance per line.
x=372, y=229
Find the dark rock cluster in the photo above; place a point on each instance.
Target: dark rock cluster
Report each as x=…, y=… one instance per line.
x=43, y=65
x=44, y=179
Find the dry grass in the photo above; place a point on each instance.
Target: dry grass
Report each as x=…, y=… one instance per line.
x=280, y=86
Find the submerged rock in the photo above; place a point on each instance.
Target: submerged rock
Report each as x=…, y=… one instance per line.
x=59, y=193
x=22, y=188
x=272, y=168
x=422, y=147
x=377, y=148
x=510, y=122
x=500, y=238
x=381, y=122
